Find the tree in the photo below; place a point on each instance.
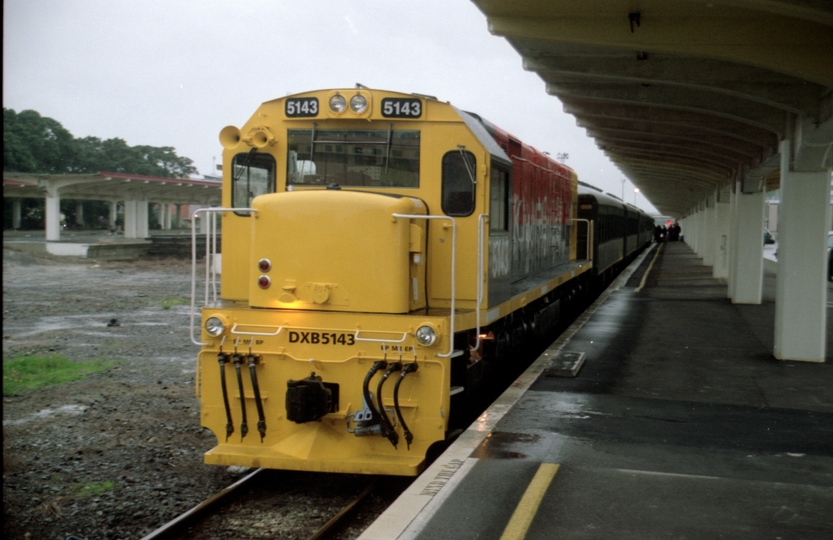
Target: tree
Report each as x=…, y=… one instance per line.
x=32, y=143
x=36, y=144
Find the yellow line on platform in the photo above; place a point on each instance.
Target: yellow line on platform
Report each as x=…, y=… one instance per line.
x=522, y=518
x=648, y=271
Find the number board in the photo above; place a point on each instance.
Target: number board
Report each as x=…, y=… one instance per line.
x=401, y=108
x=301, y=107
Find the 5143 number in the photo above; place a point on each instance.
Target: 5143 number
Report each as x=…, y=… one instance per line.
x=401, y=108
x=301, y=107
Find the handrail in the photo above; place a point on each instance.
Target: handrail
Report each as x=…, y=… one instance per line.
x=374, y=340
x=234, y=330
x=481, y=251
x=453, y=271
x=210, y=253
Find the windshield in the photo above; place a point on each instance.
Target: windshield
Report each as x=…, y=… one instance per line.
x=378, y=158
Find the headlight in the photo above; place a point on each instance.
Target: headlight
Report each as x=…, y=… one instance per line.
x=358, y=104
x=214, y=326
x=338, y=103
x=426, y=336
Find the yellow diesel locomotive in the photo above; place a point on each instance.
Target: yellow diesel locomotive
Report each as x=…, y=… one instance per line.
x=383, y=254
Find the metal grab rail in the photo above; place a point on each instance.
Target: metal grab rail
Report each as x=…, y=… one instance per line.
x=235, y=332
x=453, y=271
x=481, y=251
x=210, y=269
x=374, y=340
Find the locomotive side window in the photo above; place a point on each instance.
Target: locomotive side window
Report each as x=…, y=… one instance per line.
x=252, y=175
x=498, y=200
x=459, y=168
x=377, y=158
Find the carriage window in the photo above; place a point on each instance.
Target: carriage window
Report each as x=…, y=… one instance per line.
x=498, y=200
x=459, y=168
x=252, y=175
x=375, y=158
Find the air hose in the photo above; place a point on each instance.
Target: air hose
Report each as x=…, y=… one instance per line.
x=409, y=368
x=387, y=427
x=222, y=358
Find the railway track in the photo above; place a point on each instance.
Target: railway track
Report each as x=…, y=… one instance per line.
x=265, y=503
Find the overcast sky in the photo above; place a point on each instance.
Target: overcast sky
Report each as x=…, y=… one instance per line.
x=174, y=73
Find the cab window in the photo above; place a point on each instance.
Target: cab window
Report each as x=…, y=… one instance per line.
x=253, y=174
x=498, y=200
x=459, y=167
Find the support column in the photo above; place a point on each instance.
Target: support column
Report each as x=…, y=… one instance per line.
x=733, y=240
x=720, y=268
x=178, y=220
x=689, y=230
x=114, y=213
x=142, y=229
x=168, y=211
x=709, y=233
x=699, y=228
x=17, y=213
x=801, y=285
x=693, y=230
x=203, y=223
x=79, y=213
x=748, y=273
x=53, y=214
x=130, y=218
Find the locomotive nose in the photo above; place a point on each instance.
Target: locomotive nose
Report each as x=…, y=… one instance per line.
x=301, y=233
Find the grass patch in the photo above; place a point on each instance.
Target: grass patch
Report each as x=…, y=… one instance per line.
x=95, y=488
x=32, y=372
x=168, y=303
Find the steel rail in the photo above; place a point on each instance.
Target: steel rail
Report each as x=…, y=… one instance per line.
x=167, y=530
x=333, y=521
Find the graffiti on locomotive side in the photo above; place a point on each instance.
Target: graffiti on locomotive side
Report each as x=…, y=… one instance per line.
x=500, y=262
x=538, y=239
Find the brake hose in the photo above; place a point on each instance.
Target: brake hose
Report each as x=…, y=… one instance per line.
x=244, y=426
x=409, y=368
x=222, y=358
x=387, y=427
x=261, y=419
x=381, y=364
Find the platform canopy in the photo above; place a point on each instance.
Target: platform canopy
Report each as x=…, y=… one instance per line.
x=685, y=96
x=108, y=186
x=136, y=191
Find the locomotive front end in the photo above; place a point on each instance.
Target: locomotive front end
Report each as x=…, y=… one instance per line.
x=323, y=353
x=329, y=379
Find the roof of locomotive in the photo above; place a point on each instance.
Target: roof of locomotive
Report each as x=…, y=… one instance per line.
x=495, y=132
x=476, y=125
x=483, y=130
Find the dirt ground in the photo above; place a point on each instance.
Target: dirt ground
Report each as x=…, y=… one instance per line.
x=119, y=453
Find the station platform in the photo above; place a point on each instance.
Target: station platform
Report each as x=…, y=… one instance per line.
x=681, y=424
x=102, y=244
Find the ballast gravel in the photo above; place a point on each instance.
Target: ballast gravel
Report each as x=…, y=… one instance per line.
x=119, y=453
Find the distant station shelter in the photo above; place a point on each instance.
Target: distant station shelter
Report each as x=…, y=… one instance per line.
x=135, y=191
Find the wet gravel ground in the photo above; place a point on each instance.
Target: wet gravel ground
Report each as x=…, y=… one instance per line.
x=119, y=453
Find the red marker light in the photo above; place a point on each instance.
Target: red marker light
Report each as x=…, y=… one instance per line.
x=264, y=282
x=265, y=265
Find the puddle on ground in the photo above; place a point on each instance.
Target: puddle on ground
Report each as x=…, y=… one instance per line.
x=63, y=410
